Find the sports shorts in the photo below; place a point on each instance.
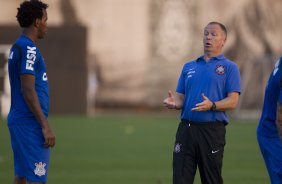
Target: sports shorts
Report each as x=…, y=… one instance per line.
x=271, y=149
x=31, y=158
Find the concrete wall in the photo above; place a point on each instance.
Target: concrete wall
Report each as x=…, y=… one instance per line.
x=136, y=48
x=65, y=57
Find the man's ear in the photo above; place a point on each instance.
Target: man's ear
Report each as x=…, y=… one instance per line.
x=224, y=41
x=36, y=23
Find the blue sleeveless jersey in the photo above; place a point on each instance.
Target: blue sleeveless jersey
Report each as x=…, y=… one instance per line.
x=25, y=58
x=215, y=79
x=273, y=95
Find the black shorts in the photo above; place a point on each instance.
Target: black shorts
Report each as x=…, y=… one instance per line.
x=202, y=145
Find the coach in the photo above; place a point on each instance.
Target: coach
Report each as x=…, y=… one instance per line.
x=207, y=87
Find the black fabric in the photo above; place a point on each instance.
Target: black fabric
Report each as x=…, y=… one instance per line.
x=198, y=145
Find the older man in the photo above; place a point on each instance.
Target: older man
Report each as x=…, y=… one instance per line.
x=207, y=87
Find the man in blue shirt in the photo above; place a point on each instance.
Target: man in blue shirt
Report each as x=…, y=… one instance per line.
x=207, y=87
x=31, y=135
x=269, y=130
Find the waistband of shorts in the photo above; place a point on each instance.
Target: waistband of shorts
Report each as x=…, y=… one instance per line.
x=207, y=123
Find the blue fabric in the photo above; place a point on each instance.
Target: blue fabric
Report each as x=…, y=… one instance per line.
x=215, y=79
x=267, y=133
x=31, y=158
x=26, y=60
x=273, y=95
x=271, y=149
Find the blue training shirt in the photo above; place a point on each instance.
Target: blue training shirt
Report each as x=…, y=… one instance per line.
x=273, y=95
x=215, y=79
x=25, y=58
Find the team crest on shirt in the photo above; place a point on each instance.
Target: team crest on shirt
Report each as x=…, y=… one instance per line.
x=40, y=169
x=220, y=69
x=177, y=148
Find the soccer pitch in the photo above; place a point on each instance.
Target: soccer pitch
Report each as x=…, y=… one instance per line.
x=132, y=149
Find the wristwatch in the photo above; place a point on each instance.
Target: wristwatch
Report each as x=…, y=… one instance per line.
x=213, y=107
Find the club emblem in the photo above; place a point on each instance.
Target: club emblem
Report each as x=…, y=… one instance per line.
x=40, y=169
x=220, y=69
x=177, y=148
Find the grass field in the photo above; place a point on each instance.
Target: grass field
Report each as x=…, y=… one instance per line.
x=132, y=149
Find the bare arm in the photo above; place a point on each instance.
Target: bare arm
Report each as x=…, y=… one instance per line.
x=279, y=120
x=31, y=98
x=230, y=102
x=174, y=101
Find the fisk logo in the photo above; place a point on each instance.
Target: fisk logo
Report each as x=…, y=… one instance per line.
x=30, y=56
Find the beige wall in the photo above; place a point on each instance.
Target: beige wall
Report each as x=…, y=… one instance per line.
x=119, y=38
x=8, y=10
x=138, y=47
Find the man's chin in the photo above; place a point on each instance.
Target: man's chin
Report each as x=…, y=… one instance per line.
x=207, y=50
x=40, y=37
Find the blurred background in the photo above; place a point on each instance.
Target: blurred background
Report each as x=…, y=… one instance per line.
x=105, y=57
x=113, y=54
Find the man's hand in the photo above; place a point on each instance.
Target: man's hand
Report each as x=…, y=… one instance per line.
x=205, y=105
x=49, y=137
x=169, y=102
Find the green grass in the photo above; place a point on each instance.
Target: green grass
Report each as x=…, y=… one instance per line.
x=132, y=149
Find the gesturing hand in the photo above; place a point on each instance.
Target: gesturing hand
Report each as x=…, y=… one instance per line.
x=169, y=102
x=204, y=105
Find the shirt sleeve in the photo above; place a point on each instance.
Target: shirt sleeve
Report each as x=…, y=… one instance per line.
x=180, y=88
x=28, y=60
x=280, y=96
x=279, y=67
x=233, y=83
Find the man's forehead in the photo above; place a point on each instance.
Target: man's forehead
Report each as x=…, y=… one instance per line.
x=45, y=13
x=213, y=27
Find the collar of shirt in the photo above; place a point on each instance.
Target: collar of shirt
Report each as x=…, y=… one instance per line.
x=219, y=57
x=27, y=38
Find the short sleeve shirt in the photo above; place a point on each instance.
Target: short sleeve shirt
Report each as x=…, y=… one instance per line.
x=25, y=58
x=273, y=96
x=215, y=79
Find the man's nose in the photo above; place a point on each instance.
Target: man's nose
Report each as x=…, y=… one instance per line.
x=208, y=37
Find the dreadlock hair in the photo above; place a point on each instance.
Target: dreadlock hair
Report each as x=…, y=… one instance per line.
x=29, y=11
